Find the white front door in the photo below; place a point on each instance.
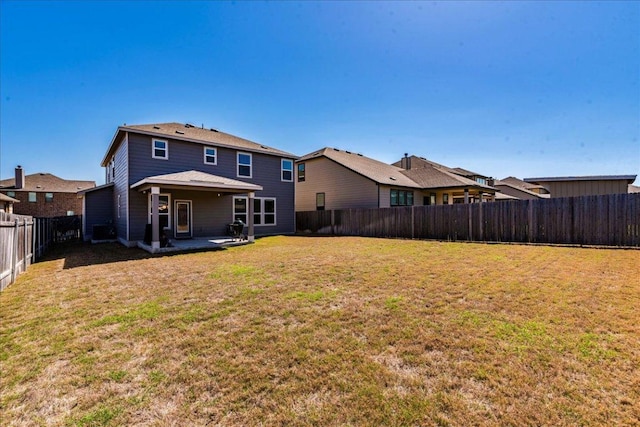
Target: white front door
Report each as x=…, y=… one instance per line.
x=183, y=218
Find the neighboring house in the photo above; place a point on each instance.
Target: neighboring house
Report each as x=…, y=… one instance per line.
x=6, y=203
x=517, y=189
x=330, y=179
x=572, y=186
x=190, y=182
x=44, y=195
x=336, y=179
x=443, y=185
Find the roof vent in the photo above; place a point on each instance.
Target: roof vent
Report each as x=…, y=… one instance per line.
x=264, y=146
x=180, y=132
x=213, y=130
x=335, y=149
x=38, y=186
x=156, y=127
x=359, y=154
x=348, y=152
x=187, y=125
x=392, y=178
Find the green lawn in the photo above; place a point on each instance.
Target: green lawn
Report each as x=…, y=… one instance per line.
x=324, y=331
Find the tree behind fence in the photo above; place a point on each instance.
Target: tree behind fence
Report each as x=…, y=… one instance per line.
x=611, y=220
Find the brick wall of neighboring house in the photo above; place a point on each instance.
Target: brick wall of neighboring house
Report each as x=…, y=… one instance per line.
x=59, y=206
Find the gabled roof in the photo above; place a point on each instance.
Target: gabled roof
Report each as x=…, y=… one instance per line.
x=377, y=171
x=187, y=132
x=500, y=183
x=429, y=174
x=628, y=178
x=518, y=183
x=46, y=182
x=196, y=180
x=433, y=177
x=466, y=172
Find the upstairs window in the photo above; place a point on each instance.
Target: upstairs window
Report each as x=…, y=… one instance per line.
x=160, y=149
x=11, y=194
x=301, y=168
x=48, y=197
x=244, y=165
x=210, y=157
x=32, y=197
x=287, y=170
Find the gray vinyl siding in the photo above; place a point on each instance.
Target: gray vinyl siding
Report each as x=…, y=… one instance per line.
x=343, y=187
x=98, y=209
x=121, y=188
x=183, y=156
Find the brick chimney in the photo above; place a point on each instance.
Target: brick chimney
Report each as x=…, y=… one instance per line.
x=19, y=178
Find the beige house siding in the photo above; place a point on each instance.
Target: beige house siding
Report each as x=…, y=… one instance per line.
x=343, y=188
x=583, y=188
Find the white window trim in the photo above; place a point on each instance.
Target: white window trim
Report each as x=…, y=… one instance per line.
x=282, y=169
x=153, y=149
x=215, y=156
x=168, y=204
x=262, y=213
x=238, y=165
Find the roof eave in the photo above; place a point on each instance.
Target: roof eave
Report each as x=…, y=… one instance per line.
x=278, y=153
x=147, y=183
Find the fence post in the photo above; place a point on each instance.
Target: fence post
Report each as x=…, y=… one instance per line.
x=470, y=237
x=480, y=230
x=24, y=246
x=333, y=222
x=413, y=224
x=14, y=253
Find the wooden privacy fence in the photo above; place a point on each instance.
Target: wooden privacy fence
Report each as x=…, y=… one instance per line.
x=611, y=220
x=16, y=246
x=24, y=240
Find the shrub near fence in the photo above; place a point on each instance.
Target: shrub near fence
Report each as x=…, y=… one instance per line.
x=611, y=220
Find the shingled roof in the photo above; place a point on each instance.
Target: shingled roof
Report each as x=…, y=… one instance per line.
x=46, y=182
x=433, y=177
x=375, y=170
x=187, y=132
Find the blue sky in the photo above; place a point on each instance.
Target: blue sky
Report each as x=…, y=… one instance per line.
x=502, y=88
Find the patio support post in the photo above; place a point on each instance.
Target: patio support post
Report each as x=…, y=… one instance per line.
x=155, y=218
x=250, y=235
x=466, y=195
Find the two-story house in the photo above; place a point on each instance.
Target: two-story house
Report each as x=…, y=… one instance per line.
x=330, y=179
x=44, y=195
x=189, y=181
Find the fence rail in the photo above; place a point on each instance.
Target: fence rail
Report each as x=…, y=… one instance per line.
x=24, y=240
x=611, y=220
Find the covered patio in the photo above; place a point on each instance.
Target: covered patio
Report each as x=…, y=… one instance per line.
x=195, y=244
x=183, y=240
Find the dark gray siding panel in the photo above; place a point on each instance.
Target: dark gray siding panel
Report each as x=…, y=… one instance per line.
x=121, y=191
x=266, y=171
x=98, y=209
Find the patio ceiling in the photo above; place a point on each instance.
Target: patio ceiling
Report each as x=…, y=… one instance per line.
x=195, y=180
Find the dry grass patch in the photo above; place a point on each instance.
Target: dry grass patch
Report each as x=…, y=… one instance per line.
x=324, y=331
